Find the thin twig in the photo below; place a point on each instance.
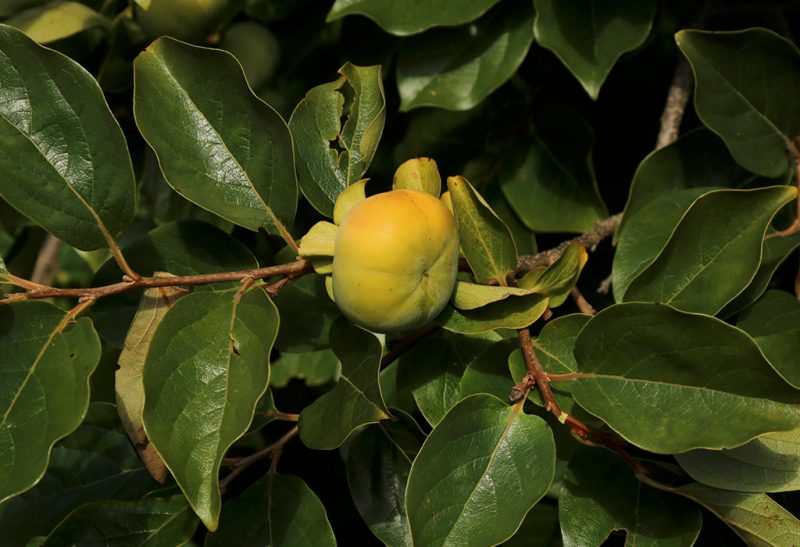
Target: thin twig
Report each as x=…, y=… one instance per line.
x=47, y=261
x=605, y=284
x=292, y=270
x=240, y=464
x=581, y=302
x=405, y=344
x=675, y=105
x=285, y=416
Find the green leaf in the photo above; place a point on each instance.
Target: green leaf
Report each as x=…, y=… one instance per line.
x=435, y=371
x=128, y=384
x=331, y=155
x=218, y=144
x=355, y=400
x=479, y=472
x=770, y=463
x=558, y=279
x=377, y=474
x=315, y=368
x=306, y=315
x=278, y=510
x=47, y=360
x=458, y=68
x=185, y=247
x=539, y=529
x=206, y=369
x=488, y=372
x=647, y=232
x=513, y=313
x=418, y=174
x=57, y=20
x=10, y=7
x=96, y=462
x=600, y=495
x=470, y=296
x=756, y=518
x=669, y=381
x=64, y=158
x=412, y=18
x=485, y=240
x=774, y=253
x=774, y=324
x=589, y=38
x=714, y=252
x=153, y=521
x=748, y=84
x=548, y=177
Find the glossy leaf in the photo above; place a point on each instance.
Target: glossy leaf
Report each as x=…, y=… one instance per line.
x=770, y=463
x=206, y=369
x=185, y=247
x=278, y=510
x=747, y=91
x=756, y=518
x=156, y=521
x=128, y=384
x=548, y=178
x=355, y=400
x=512, y=313
x=57, y=20
x=218, y=144
x=412, y=18
x=315, y=368
x=774, y=324
x=458, y=68
x=331, y=155
x=589, y=38
x=594, y=504
x=714, y=252
x=557, y=280
x=47, y=360
x=64, y=158
x=479, y=472
x=96, y=462
x=470, y=296
x=669, y=381
x=485, y=240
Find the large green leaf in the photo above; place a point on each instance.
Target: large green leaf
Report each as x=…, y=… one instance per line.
x=488, y=372
x=512, y=313
x=412, y=17
x=589, y=38
x=669, y=381
x=548, y=178
x=152, y=521
x=714, y=252
x=185, y=247
x=770, y=463
x=457, y=68
x=57, y=20
x=217, y=143
x=774, y=324
x=485, y=239
x=539, y=529
x=757, y=518
x=96, y=462
x=306, y=315
x=331, y=155
x=479, y=472
x=748, y=92
x=315, y=368
x=47, y=360
x=63, y=156
x=355, y=400
x=278, y=510
x=600, y=495
x=206, y=369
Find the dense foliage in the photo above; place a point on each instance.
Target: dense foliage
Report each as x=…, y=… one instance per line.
x=173, y=370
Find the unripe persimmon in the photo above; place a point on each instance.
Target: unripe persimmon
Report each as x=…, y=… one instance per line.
x=395, y=261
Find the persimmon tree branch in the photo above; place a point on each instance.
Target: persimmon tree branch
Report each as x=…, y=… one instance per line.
x=238, y=465
x=675, y=105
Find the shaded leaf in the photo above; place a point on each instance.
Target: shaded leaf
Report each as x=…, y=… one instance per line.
x=548, y=177
x=315, y=368
x=479, y=472
x=512, y=313
x=594, y=504
x=47, y=360
x=488, y=372
x=435, y=371
x=748, y=84
x=64, y=158
x=355, y=400
x=403, y=19
x=218, y=144
x=589, y=38
x=669, y=381
x=557, y=280
x=306, y=315
x=206, y=369
x=485, y=240
x=278, y=510
x=57, y=20
x=539, y=529
x=156, y=521
x=714, y=252
x=331, y=155
x=457, y=68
